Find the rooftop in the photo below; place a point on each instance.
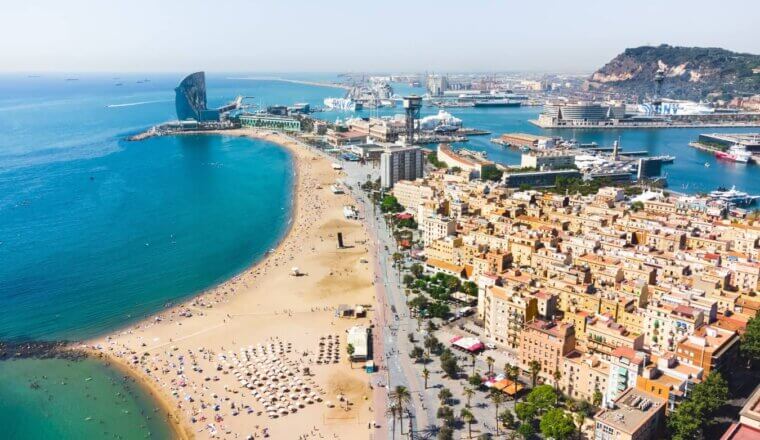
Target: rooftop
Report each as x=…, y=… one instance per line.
x=632, y=410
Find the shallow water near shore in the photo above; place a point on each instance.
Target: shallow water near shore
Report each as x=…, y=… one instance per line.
x=96, y=233
x=57, y=398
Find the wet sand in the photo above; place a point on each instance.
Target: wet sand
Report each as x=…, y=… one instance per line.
x=224, y=360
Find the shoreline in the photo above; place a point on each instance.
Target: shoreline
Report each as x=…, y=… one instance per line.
x=99, y=346
x=173, y=417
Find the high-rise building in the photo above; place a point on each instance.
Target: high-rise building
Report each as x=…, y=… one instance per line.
x=190, y=99
x=400, y=163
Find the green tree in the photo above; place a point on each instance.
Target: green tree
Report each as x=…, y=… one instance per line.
x=557, y=377
x=597, y=398
x=468, y=418
x=525, y=411
x=579, y=418
x=417, y=353
x=445, y=432
x=750, y=342
x=507, y=419
x=490, y=361
x=449, y=364
x=444, y=395
x=534, y=368
x=390, y=204
x=497, y=398
x=446, y=414
x=470, y=288
x=350, y=350
x=557, y=424
x=408, y=280
x=491, y=173
x=526, y=430
x=475, y=380
x=468, y=393
x=401, y=398
x=711, y=394
x=416, y=270
x=697, y=412
x=393, y=412
x=684, y=423
x=431, y=344
x=542, y=398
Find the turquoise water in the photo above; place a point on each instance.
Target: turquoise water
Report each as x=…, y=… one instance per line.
x=74, y=400
x=96, y=232
x=688, y=174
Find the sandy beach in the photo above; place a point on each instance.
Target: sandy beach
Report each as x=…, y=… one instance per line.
x=232, y=362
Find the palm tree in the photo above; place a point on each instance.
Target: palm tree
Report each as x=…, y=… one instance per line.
x=490, y=361
x=535, y=368
x=425, y=375
x=557, y=376
x=468, y=393
x=473, y=362
x=468, y=418
x=350, y=350
x=401, y=398
x=497, y=398
x=444, y=395
x=393, y=412
x=579, y=418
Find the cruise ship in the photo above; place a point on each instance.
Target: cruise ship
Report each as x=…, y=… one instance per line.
x=737, y=153
x=442, y=122
x=342, y=104
x=674, y=108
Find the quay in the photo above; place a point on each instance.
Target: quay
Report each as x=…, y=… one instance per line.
x=649, y=124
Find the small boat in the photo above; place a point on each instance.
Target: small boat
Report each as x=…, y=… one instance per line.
x=707, y=165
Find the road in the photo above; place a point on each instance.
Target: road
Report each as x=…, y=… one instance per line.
x=394, y=323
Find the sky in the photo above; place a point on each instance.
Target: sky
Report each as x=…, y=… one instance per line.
x=357, y=36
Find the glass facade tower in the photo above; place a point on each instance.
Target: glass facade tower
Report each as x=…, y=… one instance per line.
x=190, y=100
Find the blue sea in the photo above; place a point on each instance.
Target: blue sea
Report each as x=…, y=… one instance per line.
x=97, y=232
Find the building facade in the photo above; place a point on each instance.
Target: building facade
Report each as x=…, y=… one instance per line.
x=402, y=163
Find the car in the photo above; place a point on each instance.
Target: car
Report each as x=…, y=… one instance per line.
x=491, y=346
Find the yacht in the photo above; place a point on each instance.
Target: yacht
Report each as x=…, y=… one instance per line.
x=733, y=196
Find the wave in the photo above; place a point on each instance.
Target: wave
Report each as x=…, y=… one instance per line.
x=131, y=104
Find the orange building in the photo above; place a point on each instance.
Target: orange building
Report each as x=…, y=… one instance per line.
x=545, y=342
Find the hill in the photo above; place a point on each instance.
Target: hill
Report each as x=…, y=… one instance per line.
x=697, y=73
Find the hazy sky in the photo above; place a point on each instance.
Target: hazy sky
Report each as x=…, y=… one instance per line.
x=381, y=35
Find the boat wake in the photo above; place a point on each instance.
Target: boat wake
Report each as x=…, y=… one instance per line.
x=132, y=104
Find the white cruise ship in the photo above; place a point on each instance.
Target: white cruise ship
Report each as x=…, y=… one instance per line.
x=341, y=104
x=674, y=108
x=443, y=119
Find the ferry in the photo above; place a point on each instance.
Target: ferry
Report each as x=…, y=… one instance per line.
x=736, y=153
x=733, y=196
